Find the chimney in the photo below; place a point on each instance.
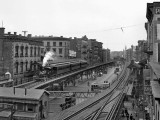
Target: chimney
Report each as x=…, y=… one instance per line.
x=29, y=35
x=15, y=33
x=14, y=90
x=61, y=36
x=2, y=31
x=25, y=91
x=9, y=33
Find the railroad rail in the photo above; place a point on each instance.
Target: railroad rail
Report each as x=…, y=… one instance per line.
x=61, y=94
x=96, y=104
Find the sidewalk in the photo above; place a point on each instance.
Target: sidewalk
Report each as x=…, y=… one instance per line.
x=132, y=109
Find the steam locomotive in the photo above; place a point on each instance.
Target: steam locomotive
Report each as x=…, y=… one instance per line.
x=53, y=69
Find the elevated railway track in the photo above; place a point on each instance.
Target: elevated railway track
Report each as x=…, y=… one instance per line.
x=44, y=83
x=91, y=107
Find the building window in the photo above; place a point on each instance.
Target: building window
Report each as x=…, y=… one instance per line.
x=34, y=65
x=35, y=49
x=42, y=50
x=26, y=51
x=21, y=65
x=60, y=50
x=48, y=48
x=20, y=107
x=38, y=51
x=48, y=44
x=16, y=67
x=16, y=51
x=31, y=49
x=22, y=47
x=60, y=44
x=54, y=43
x=26, y=65
x=54, y=49
x=30, y=107
x=31, y=65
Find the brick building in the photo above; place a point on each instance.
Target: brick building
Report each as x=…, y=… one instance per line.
x=18, y=55
x=153, y=55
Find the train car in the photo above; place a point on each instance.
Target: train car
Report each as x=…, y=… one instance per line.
x=7, y=83
x=84, y=64
x=61, y=68
x=75, y=65
x=95, y=86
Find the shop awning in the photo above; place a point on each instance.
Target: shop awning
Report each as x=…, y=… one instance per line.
x=24, y=115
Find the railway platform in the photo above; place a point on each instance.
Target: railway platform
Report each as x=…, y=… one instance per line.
x=82, y=86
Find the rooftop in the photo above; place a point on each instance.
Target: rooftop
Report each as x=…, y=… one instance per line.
x=33, y=94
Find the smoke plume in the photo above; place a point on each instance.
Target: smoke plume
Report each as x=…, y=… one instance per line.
x=48, y=56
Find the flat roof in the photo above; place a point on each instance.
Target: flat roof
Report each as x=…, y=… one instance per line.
x=155, y=89
x=5, y=113
x=33, y=94
x=25, y=114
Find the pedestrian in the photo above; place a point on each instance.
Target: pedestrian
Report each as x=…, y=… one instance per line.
x=131, y=117
x=127, y=115
x=88, y=83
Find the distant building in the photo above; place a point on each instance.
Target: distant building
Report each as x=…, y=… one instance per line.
x=28, y=104
x=95, y=51
x=80, y=45
x=18, y=55
x=59, y=45
x=106, y=55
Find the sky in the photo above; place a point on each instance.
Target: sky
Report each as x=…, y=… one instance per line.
x=97, y=19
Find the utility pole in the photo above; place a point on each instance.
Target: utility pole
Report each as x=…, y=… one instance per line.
x=24, y=32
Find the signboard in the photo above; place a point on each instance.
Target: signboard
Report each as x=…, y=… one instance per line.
x=72, y=53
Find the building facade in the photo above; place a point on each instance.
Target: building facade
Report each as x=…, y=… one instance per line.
x=153, y=54
x=106, y=55
x=28, y=104
x=18, y=55
x=95, y=51
x=59, y=45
